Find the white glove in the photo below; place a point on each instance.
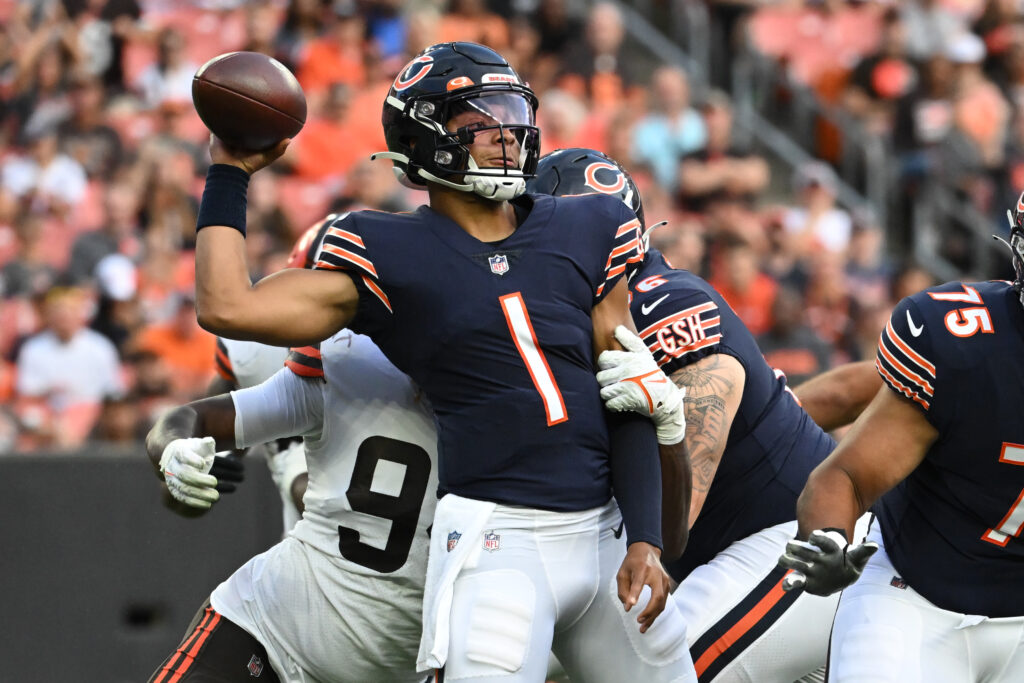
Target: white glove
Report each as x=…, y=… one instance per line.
x=186, y=464
x=632, y=380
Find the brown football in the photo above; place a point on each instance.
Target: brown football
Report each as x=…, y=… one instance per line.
x=249, y=100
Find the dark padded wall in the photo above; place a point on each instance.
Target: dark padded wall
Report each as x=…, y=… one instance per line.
x=98, y=580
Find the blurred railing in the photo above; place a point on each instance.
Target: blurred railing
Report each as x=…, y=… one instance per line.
x=784, y=117
x=689, y=24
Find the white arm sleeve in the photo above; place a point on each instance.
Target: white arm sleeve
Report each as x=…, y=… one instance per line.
x=284, y=405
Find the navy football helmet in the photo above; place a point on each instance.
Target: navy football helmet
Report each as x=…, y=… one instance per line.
x=439, y=84
x=585, y=171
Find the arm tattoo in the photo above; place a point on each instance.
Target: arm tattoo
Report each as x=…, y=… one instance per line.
x=708, y=384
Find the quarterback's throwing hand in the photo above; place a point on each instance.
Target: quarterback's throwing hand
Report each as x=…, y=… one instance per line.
x=642, y=567
x=631, y=380
x=825, y=563
x=186, y=464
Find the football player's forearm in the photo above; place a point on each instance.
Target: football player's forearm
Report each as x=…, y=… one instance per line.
x=222, y=281
x=829, y=501
x=176, y=423
x=636, y=476
x=214, y=416
x=883, y=447
x=676, y=482
x=714, y=386
x=837, y=397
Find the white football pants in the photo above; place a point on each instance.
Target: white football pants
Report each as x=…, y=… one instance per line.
x=891, y=633
x=743, y=628
x=545, y=581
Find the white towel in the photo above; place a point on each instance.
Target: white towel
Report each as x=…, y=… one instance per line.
x=454, y=543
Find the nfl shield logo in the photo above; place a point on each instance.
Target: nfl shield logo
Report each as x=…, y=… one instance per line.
x=255, y=666
x=453, y=540
x=499, y=264
x=492, y=541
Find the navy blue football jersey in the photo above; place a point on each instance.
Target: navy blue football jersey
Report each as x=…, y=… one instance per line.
x=773, y=444
x=499, y=336
x=951, y=528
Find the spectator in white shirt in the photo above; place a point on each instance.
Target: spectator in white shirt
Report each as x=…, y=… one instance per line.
x=49, y=180
x=817, y=224
x=169, y=79
x=68, y=368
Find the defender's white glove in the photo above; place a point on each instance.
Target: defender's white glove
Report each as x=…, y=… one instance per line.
x=632, y=380
x=186, y=464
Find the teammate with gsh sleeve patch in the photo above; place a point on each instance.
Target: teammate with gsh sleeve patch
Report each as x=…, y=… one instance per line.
x=495, y=305
x=751, y=446
x=938, y=456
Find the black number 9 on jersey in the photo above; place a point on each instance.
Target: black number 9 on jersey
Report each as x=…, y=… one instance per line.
x=402, y=510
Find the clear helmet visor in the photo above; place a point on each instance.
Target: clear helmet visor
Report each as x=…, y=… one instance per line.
x=490, y=109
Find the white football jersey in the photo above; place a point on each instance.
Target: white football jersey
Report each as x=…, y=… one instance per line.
x=250, y=362
x=246, y=364
x=372, y=468
x=340, y=599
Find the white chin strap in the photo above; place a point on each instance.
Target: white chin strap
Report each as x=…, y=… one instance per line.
x=493, y=184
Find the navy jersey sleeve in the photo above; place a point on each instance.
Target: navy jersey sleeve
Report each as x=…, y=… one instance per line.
x=679, y=326
x=626, y=248
x=344, y=249
x=906, y=358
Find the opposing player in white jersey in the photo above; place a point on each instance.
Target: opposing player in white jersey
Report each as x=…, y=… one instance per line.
x=244, y=364
x=937, y=457
x=340, y=598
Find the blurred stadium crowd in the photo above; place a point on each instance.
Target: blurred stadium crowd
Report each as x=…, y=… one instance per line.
x=102, y=159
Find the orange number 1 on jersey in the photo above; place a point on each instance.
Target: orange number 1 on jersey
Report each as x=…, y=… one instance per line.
x=519, y=325
x=1011, y=524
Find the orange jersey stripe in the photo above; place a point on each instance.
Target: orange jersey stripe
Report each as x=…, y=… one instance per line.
x=902, y=369
x=373, y=287
x=668, y=320
x=223, y=357
x=688, y=349
x=617, y=270
x=180, y=652
x=741, y=627
x=303, y=370
x=627, y=226
x=624, y=248
x=190, y=656
x=896, y=384
x=347, y=236
x=311, y=351
x=905, y=348
x=350, y=257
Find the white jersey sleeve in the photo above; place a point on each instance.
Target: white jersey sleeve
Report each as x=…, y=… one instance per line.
x=247, y=363
x=285, y=405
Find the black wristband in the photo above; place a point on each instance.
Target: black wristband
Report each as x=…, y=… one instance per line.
x=224, y=198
